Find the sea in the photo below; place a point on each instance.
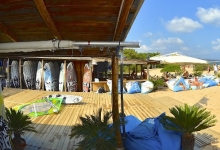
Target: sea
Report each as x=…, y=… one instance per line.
x=213, y=61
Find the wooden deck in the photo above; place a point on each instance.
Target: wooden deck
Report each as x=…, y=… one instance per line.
x=53, y=130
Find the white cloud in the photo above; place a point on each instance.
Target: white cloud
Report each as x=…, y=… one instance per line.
x=162, y=42
x=216, y=45
x=149, y=34
x=182, y=25
x=165, y=45
x=143, y=49
x=211, y=15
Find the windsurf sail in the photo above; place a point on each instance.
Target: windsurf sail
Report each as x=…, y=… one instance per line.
x=40, y=107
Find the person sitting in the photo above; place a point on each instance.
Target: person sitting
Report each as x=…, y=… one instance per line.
x=133, y=75
x=196, y=83
x=185, y=74
x=144, y=74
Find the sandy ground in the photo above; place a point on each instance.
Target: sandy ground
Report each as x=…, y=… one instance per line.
x=207, y=98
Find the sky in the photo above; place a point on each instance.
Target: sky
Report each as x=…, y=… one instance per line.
x=189, y=27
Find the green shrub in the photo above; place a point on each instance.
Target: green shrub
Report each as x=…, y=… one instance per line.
x=172, y=68
x=157, y=83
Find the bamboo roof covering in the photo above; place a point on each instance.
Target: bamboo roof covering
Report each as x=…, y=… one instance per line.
x=75, y=20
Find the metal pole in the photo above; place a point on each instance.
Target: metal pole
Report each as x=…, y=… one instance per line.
x=122, y=99
x=60, y=44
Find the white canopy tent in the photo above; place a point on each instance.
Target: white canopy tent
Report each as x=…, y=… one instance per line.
x=175, y=58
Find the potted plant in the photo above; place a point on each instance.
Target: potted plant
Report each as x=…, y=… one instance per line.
x=18, y=124
x=188, y=119
x=96, y=131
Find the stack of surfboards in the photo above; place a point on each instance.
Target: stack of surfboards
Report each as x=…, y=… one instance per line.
x=15, y=74
x=71, y=78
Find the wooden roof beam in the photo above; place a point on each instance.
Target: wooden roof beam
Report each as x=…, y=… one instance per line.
x=7, y=32
x=122, y=19
x=47, y=19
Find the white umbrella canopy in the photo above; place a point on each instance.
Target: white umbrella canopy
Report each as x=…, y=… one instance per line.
x=175, y=58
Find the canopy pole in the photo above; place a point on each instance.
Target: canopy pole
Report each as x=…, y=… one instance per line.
x=114, y=97
x=121, y=89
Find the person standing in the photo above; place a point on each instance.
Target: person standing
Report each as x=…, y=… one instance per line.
x=215, y=69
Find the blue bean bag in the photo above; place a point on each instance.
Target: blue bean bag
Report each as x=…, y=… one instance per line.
x=151, y=135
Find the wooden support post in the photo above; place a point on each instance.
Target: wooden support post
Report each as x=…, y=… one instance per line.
x=20, y=72
x=64, y=81
x=8, y=71
x=115, y=109
x=42, y=74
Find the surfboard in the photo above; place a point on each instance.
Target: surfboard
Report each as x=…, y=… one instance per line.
x=67, y=99
x=40, y=107
x=71, y=78
x=86, y=78
x=29, y=74
x=15, y=74
x=38, y=75
x=61, y=77
x=33, y=71
x=47, y=77
x=55, y=76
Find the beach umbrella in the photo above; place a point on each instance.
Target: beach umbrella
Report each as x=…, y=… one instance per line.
x=176, y=58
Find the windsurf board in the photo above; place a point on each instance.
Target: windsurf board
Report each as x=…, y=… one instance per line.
x=15, y=74
x=61, y=77
x=86, y=78
x=47, y=77
x=71, y=78
x=67, y=99
x=55, y=76
x=38, y=75
x=29, y=73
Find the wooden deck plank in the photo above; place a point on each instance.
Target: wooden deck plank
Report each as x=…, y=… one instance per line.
x=53, y=130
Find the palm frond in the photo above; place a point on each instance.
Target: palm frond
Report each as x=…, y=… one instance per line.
x=96, y=131
x=188, y=119
x=18, y=122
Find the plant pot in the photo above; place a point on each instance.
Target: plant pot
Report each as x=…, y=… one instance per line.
x=19, y=146
x=188, y=141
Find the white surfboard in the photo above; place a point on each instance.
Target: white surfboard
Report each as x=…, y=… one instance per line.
x=15, y=74
x=61, y=77
x=47, y=77
x=67, y=99
x=38, y=76
x=71, y=78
